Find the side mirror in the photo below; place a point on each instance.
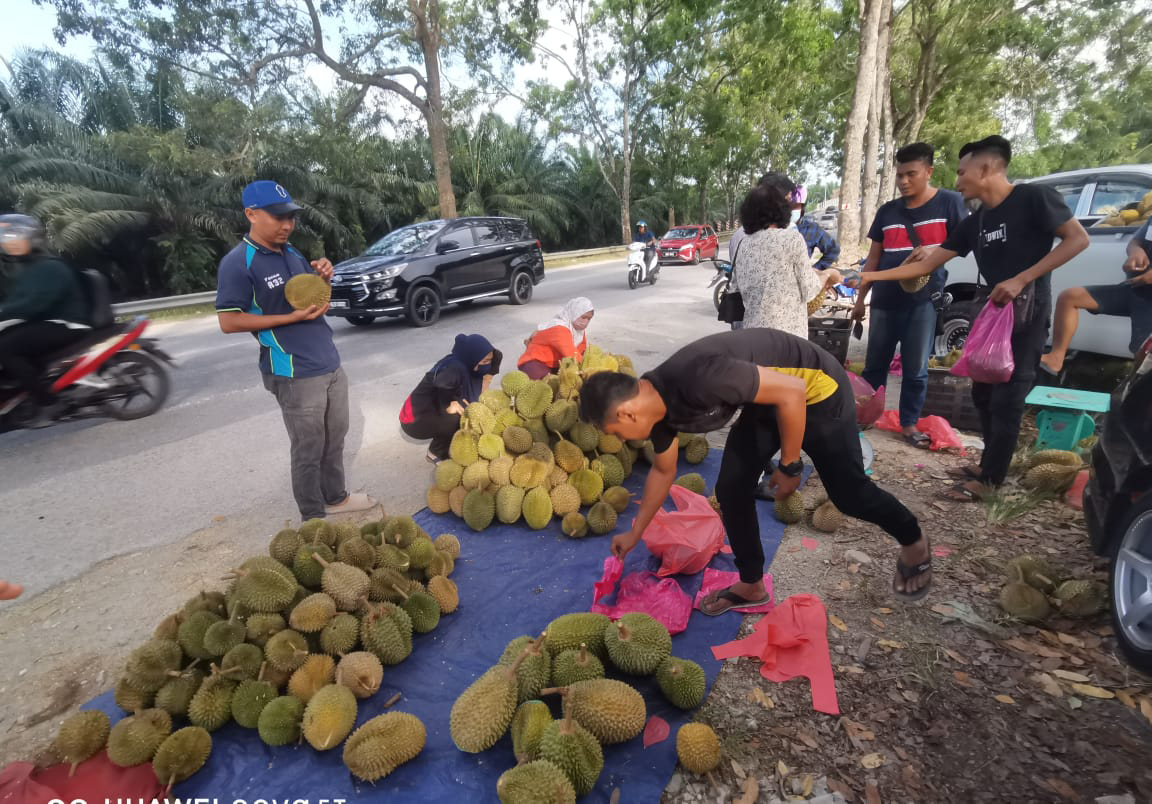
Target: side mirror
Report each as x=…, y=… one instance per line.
x=447, y=245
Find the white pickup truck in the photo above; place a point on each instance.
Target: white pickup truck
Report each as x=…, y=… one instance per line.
x=1093, y=195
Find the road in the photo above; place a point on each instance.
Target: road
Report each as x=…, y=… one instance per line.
x=78, y=494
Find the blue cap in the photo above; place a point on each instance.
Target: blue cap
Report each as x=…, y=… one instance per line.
x=268, y=196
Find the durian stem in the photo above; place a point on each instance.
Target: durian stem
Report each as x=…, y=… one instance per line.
x=263, y=667
x=403, y=594
x=319, y=560
x=583, y=660
x=392, y=701
x=554, y=691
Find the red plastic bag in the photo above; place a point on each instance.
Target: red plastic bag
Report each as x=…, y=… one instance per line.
x=869, y=402
x=936, y=428
x=640, y=591
x=987, y=354
x=685, y=539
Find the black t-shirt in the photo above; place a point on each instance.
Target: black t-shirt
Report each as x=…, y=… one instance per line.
x=1014, y=236
x=933, y=222
x=439, y=388
x=706, y=382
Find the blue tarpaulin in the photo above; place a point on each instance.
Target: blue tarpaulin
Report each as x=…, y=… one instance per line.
x=513, y=581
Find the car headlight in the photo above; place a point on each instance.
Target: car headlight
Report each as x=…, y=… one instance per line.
x=390, y=272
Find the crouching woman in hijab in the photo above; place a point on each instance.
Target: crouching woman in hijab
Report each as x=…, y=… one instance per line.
x=563, y=336
x=432, y=411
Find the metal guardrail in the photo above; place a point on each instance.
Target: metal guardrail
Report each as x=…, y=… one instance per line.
x=193, y=299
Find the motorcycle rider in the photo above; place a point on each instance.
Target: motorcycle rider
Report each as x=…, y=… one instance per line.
x=44, y=309
x=644, y=235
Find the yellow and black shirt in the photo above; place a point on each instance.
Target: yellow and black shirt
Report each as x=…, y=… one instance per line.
x=706, y=382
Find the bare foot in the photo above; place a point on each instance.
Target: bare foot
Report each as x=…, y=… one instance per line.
x=10, y=591
x=913, y=556
x=1053, y=362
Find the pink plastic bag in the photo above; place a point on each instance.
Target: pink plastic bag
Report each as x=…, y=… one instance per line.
x=987, y=354
x=869, y=402
x=685, y=539
x=640, y=591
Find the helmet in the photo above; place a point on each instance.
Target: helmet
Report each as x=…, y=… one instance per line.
x=641, y=223
x=23, y=227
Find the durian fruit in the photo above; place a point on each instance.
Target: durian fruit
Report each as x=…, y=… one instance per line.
x=307, y=570
x=490, y=446
x=637, y=643
x=540, y=451
x=284, y=546
x=613, y=711
x=307, y=290
x=151, y=665
x=345, y=584
x=259, y=628
x=279, y=721
x=618, y=497
x=360, y=672
x=576, y=630
x=286, y=650
x=698, y=748
x=585, y=436
x=827, y=517
x=392, y=557
x=537, y=508
x=609, y=444
x=83, y=735
x=441, y=564
x=517, y=439
x=383, y=744
x=370, y=531
x=1055, y=477
x=571, y=666
x=242, y=662
x=535, y=671
x=317, y=672
x=573, y=749
x=682, y=681
x=312, y=613
x=341, y=634
x=479, y=418
x=500, y=470
x=448, y=475
x=134, y=740
x=191, y=633
x=556, y=477
x=249, y=701
x=610, y=470
x=211, y=706
x=574, y=525
x=693, y=481
x=476, y=475
x=483, y=712
x=528, y=725
x=589, y=484
x=400, y=531
x=1037, y=572
x=344, y=532
x=437, y=501
x=509, y=504
x=540, y=434
x=182, y=754
x=448, y=543
x=569, y=456
x=538, y=782
x=422, y=610
x=1023, y=602
x=564, y=499
x=479, y=509
x=514, y=382
x=358, y=553
x=169, y=627
x=463, y=448
x=533, y=400
x=601, y=518
x=386, y=631
x=206, y=601
x=561, y=415
x=627, y=458
x=696, y=450
x=420, y=554
x=495, y=400
x=1081, y=598
x=318, y=531
x=176, y=695
x=790, y=509
x=329, y=717
x=445, y=593
x=528, y=473
x=131, y=699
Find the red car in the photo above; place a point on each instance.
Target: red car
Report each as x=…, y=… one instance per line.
x=688, y=244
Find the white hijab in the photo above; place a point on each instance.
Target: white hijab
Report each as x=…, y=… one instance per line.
x=567, y=315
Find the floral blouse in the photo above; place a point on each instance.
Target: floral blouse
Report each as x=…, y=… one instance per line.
x=773, y=273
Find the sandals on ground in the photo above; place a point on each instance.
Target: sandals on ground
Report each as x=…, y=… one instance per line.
x=733, y=600
x=968, y=472
x=918, y=440
x=906, y=573
x=961, y=493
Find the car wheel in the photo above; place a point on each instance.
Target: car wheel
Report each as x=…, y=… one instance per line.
x=521, y=290
x=695, y=257
x=1130, y=585
x=955, y=325
x=422, y=307
x=361, y=320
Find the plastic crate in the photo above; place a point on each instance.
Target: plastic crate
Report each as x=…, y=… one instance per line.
x=831, y=334
x=950, y=396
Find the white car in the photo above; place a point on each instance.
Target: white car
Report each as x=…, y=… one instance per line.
x=1092, y=194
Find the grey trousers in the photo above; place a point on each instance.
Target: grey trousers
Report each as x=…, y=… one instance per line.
x=315, y=411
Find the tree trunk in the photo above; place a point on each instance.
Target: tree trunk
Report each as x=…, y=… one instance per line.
x=626, y=180
x=871, y=183
x=849, y=226
x=428, y=32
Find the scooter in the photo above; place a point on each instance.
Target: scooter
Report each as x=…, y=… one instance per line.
x=113, y=371
x=642, y=267
x=720, y=280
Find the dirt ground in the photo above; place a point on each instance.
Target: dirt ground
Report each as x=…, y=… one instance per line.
x=934, y=708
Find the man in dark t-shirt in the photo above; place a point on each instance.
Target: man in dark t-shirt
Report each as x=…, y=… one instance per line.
x=1012, y=238
x=922, y=217
x=792, y=396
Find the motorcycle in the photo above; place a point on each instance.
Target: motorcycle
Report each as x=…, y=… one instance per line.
x=720, y=280
x=113, y=371
x=642, y=267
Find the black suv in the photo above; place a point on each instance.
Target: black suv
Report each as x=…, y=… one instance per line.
x=416, y=270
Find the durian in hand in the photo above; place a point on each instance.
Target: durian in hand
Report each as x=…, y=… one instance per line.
x=790, y=509
x=307, y=290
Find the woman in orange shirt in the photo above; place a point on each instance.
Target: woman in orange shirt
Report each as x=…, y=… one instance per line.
x=563, y=336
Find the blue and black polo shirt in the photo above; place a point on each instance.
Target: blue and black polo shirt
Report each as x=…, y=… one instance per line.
x=251, y=279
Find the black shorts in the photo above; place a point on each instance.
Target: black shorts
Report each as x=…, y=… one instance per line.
x=1129, y=301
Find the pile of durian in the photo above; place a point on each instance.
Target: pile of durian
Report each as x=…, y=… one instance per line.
x=947, y=361
x=560, y=759
x=1036, y=587
x=297, y=639
x=521, y=454
x=826, y=517
x=1132, y=214
x=1051, y=470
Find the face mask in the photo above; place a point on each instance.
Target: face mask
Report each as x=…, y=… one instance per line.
x=794, y=217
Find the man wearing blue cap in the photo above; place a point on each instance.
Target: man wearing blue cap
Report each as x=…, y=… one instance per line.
x=298, y=359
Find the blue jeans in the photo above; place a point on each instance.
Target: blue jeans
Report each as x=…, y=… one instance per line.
x=914, y=328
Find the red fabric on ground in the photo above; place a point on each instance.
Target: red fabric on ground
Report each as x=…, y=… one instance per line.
x=95, y=779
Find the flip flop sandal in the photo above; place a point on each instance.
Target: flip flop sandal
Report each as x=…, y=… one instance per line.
x=907, y=573
x=428, y=456
x=964, y=473
x=960, y=494
x=734, y=600
x=918, y=440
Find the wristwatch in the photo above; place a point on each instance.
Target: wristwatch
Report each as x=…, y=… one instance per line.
x=794, y=469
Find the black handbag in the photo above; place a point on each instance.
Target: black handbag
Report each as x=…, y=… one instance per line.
x=731, y=307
